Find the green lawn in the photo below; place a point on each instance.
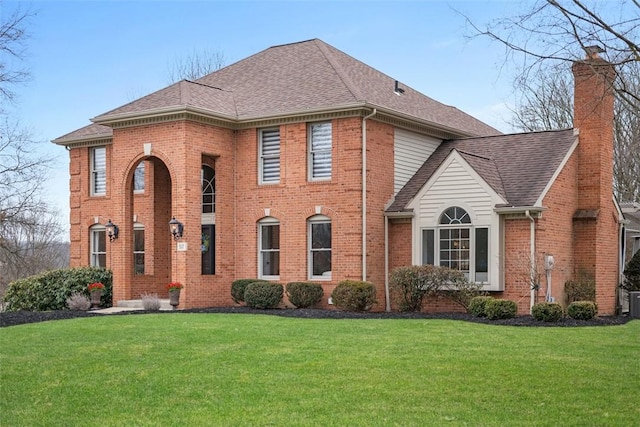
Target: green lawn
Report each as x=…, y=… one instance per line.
x=252, y=370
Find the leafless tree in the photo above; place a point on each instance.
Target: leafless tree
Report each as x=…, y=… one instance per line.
x=31, y=245
x=28, y=226
x=196, y=65
x=559, y=31
x=13, y=37
x=545, y=102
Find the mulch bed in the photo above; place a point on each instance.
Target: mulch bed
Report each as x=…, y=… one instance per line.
x=23, y=317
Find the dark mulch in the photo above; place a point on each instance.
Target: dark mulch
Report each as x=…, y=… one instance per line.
x=22, y=317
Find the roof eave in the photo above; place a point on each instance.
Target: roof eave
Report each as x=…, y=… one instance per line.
x=155, y=113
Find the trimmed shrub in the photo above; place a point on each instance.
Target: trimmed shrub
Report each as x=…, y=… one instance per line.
x=78, y=301
x=582, y=310
x=354, y=295
x=409, y=285
x=238, y=288
x=632, y=274
x=500, y=309
x=304, y=294
x=581, y=289
x=547, y=311
x=151, y=302
x=263, y=295
x=50, y=290
x=477, y=306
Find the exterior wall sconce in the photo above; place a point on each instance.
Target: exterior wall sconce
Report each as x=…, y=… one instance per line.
x=176, y=228
x=112, y=230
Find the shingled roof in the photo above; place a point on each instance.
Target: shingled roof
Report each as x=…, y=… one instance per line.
x=517, y=166
x=298, y=78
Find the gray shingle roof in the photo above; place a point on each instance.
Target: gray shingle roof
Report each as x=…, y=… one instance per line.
x=517, y=166
x=92, y=131
x=300, y=77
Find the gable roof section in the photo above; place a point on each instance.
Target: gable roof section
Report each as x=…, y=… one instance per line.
x=517, y=166
x=298, y=78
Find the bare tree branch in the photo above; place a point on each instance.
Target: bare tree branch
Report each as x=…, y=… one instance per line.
x=561, y=31
x=196, y=65
x=13, y=36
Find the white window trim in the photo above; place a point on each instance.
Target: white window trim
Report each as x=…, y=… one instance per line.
x=263, y=157
x=265, y=222
x=138, y=226
x=92, y=253
x=311, y=177
x=317, y=219
x=94, y=170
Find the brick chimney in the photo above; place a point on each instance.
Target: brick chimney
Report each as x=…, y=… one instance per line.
x=595, y=221
x=593, y=116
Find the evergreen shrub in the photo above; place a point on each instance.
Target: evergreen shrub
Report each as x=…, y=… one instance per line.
x=547, y=311
x=263, y=295
x=354, y=295
x=632, y=274
x=304, y=294
x=582, y=310
x=238, y=287
x=500, y=309
x=50, y=290
x=477, y=305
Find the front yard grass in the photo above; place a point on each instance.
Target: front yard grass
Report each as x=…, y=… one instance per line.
x=232, y=370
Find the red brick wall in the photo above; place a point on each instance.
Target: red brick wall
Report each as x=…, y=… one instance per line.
x=173, y=188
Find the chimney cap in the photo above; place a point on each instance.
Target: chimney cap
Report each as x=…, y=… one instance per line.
x=593, y=51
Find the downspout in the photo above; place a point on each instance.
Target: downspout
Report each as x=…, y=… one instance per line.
x=364, y=194
x=387, y=304
x=532, y=257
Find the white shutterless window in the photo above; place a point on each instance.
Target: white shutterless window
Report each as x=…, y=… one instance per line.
x=98, y=237
x=98, y=171
x=269, y=156
x=319, y=151
x=269, y=249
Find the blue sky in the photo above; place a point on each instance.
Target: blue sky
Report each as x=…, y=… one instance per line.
x=88, y=57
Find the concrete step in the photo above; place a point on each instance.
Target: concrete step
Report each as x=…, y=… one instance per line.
x=136, y=304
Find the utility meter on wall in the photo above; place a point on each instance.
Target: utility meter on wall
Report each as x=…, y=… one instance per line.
x=549, y=262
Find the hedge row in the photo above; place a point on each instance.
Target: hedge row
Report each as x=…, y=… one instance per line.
x=50, y=290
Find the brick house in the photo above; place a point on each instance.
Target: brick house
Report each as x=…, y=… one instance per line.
x=301, y=163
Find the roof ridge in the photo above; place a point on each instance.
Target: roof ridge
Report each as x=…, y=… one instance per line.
x=328, y=55
x=473, y=154
x=206, y=85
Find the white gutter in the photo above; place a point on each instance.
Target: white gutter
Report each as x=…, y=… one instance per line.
x=532, y=257
x=364, y=194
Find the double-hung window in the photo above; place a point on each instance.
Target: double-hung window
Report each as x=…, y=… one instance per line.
x=269, y=156
x=319, y=151
x=457, y=244
x=98, y=171
x=98, y=237
x=319, y=240
x=138, y=249
x=269, y=256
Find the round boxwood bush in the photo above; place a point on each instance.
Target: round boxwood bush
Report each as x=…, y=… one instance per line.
x=582, y=310
x=547, y=311
x=354, y=295
x=477, y=306
x=50, y=290
x=304, y=294
x=238, y=287
x=263, y=295
x=500, y=309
